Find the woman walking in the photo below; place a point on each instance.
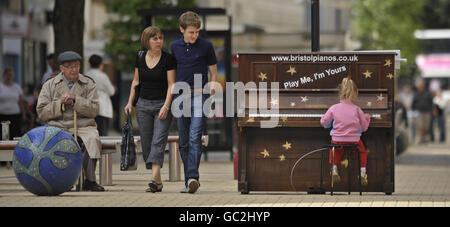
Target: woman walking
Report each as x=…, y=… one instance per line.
x=155, y=74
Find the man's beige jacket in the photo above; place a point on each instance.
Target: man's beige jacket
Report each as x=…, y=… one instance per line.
x=86, y=105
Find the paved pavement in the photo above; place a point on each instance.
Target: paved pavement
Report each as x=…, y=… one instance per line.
x=422, y=179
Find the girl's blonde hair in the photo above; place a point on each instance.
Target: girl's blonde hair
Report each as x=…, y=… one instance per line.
x=348, y=89
x=147, y=34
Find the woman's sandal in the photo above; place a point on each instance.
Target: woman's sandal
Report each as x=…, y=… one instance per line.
x=154, y=187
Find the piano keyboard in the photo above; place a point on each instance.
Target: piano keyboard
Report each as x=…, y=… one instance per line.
x=300, y=115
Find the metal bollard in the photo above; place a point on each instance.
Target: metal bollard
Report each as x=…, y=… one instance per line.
x=174, y=162
x=5, y=130
x=106, y=170
x=106, y=167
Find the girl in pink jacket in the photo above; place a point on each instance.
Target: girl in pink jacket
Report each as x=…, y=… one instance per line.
x=348, y=121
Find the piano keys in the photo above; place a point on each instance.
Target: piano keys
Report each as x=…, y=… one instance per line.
x=306, y=90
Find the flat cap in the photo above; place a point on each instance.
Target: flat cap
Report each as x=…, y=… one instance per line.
x=68, y=56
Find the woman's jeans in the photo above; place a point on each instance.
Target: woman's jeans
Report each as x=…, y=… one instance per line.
x=440, y=121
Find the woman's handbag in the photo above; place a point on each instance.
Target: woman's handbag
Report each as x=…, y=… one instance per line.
x=127, y=147
x=137, y=88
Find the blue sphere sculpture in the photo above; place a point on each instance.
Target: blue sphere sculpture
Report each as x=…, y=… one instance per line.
x=47, y=161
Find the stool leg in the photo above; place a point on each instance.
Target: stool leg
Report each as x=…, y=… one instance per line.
x=359, y=170
x=321, y=170
x=332, y=163
x=349, y=173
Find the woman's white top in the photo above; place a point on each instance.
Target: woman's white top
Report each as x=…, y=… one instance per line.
x=9, y=99
x=105, y=89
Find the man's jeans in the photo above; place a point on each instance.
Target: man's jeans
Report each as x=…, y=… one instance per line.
x=190, y=137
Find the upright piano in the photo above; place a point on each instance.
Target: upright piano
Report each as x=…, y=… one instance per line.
x=307, y=87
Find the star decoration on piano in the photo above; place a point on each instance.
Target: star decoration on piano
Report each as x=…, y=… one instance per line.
x=282, y=157
x=291, y=70
x=287, y=145
x=262, y=76
x=367, y=74
x=265, y=153
x=369, y=103
x=344, y=163
x=387, y=62
x=380, y=97
x=284, y=119
x=274, y=102
x=292, y=103
x=390, y=76
x=251, y=119
x=304, y=98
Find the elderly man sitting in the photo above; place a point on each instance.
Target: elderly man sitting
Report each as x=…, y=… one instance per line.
x=65, y=93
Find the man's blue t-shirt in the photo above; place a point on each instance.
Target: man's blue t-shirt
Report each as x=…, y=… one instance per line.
x=193, y=59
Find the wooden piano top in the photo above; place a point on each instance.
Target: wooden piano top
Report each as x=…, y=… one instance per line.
x=306, y=89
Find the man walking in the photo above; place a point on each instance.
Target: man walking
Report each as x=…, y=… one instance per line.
x=194, y=55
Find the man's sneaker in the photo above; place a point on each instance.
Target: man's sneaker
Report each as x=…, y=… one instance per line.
x=192, y=185
x=184, y=190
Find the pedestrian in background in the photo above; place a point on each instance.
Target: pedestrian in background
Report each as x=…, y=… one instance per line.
x=438, y=115
x=12, y=106
x=49, y=72
x=105, y=89
x=423, y=104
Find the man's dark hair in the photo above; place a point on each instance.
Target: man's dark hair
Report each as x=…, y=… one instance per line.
x=95, y=61
x=50, y=56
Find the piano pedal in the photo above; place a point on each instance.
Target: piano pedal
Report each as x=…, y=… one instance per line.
x=316, y=190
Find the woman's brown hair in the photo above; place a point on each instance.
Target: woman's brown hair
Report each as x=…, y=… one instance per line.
x=147, y=34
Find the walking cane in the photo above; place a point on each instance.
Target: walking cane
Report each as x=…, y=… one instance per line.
x=79, y=187
x=75, y=130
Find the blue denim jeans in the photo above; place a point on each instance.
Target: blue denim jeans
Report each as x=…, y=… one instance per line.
x=190, y=137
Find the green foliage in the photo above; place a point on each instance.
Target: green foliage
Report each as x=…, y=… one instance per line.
x=124, y=32
x=389, y=25
x=436, y=13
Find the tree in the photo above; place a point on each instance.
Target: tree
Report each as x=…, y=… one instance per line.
x=124, y=31
x=389, y=25
x=68, y=26
x=436, y=13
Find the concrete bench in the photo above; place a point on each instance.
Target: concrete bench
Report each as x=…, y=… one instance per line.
x=110, y=145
